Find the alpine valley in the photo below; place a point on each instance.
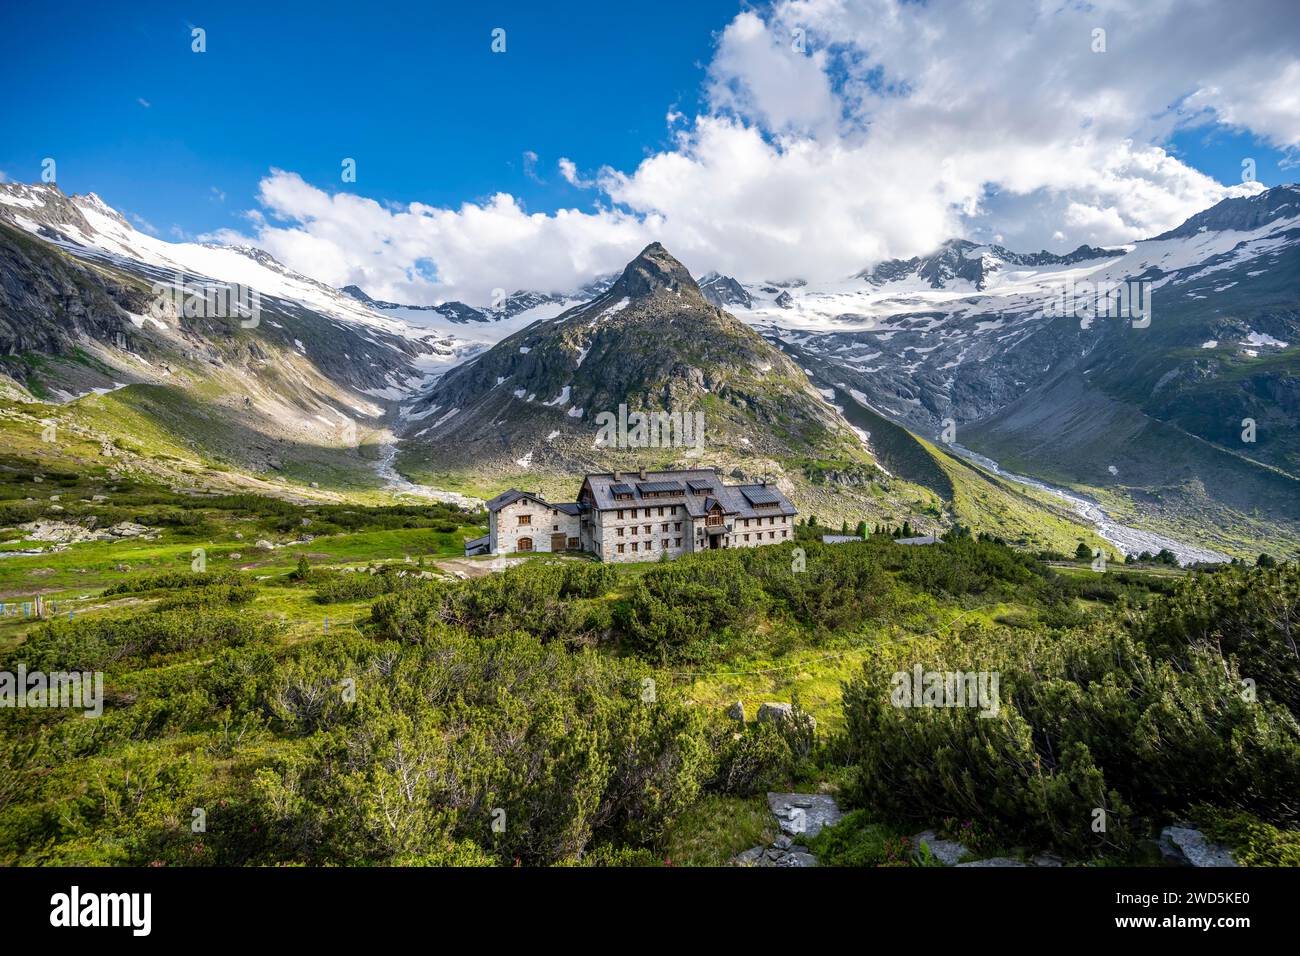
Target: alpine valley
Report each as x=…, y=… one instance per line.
x=944, y=389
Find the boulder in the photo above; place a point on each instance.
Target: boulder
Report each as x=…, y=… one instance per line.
x=776, y=712
x=737, y=711
x=804, y=814
x=947, y=852
x=1183, y=846
x=771, y=712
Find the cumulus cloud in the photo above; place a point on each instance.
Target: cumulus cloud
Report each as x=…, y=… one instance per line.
x=420, y=253
x=841, y=132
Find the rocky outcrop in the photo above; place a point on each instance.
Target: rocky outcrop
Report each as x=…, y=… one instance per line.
x=804, y=814
x=64, y=533
x=800, y=816
x=1183, y=846
x=783, y=852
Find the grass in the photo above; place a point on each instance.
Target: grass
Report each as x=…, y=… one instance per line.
x=717, y=828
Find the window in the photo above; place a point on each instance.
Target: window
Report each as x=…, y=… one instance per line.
x=633, y=545
x=620, y=549
x=665, y=544
x=620, y=532
x=650, y=545
x=661, y=511
x=555, y=527
x=648, y=529
x=525, y=520
x=524, y=544
x=677, y=542
x=573, y=544
x=620, y=514
x=785, y=534
x=746, y=537
x=677, y=526
x=772, y=535
x=664, y=526
x=714, y=519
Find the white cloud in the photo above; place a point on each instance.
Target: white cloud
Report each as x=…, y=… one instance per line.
x=144, y=224
x=569, y=170
x=530, y=166
x=891, y=128
x=421, y=254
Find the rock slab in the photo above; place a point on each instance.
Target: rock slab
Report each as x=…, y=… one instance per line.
x=804, y=814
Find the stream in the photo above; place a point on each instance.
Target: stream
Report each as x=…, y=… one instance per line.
x=1126, y=538
x=401, y=485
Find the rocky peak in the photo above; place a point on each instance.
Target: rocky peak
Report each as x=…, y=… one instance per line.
x=724, y=291
x=1242, y=214
x=357, y=293
x=652, y=271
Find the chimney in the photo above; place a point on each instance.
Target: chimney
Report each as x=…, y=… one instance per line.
x=616, y=474
x=643, y=472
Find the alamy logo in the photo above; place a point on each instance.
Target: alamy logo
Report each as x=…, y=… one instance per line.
x=134, y=910
x=38, y=689
x=650, y=430
x=203, y=299
x=1088, y=301
x=922, y=688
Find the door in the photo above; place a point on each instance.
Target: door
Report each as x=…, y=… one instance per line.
x=557, y=542
x=524, y=544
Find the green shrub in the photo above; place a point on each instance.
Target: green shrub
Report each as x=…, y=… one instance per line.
x=1087, y=720
x=448, y=733
x=91, y=644
x=1253, y=842
x=172, y=580
x=859, y=841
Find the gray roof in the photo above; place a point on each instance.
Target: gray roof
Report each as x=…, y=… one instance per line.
x=514, y=494
x=928, y=539
x=681, y=488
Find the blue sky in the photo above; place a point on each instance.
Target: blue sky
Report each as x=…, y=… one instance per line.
x=411, y=91
x=781, y=159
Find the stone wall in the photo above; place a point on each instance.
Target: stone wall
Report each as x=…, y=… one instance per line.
x=509, y=527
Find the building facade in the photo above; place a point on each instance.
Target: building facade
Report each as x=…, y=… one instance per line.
x=640, y=517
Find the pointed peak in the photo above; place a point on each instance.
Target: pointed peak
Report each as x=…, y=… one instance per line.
x=654, y=269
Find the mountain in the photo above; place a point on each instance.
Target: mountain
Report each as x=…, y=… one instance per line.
x=960, y=260
x=1183, y=426
x=529, y=413
x=1146, y=420
x=530, y=407
x=724, y=291
x=89, y=305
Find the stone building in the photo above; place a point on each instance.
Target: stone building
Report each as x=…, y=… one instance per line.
x=640, y=516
